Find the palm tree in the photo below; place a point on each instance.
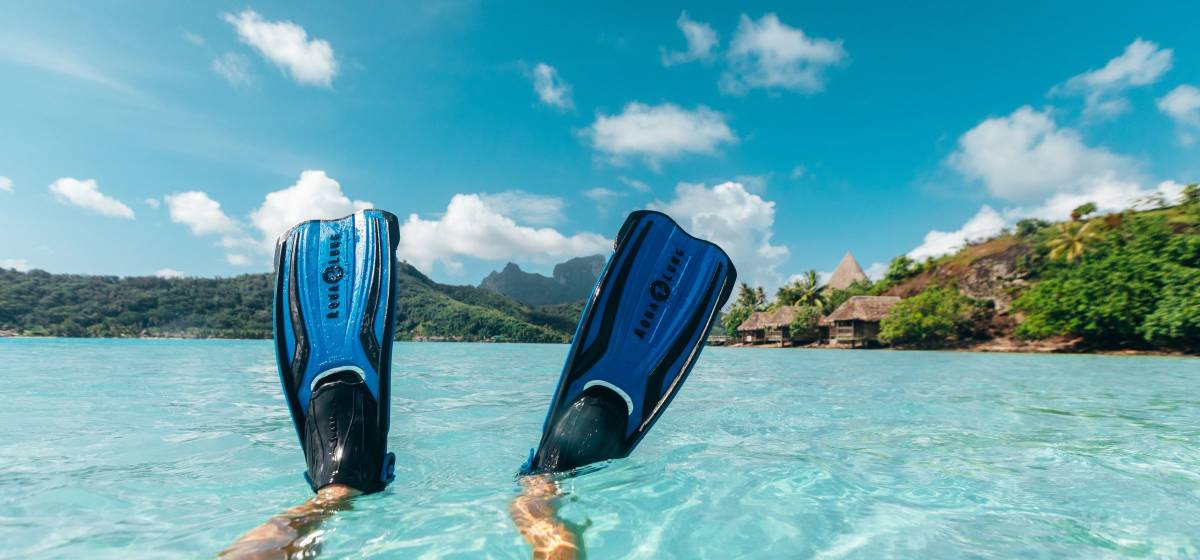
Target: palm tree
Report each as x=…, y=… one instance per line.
x=805, y=291
x=1071, y=240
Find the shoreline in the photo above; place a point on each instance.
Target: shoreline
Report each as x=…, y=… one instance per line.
x=994, y=346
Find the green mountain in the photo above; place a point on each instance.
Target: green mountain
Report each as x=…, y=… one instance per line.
x=38, y=303
x=572, y=281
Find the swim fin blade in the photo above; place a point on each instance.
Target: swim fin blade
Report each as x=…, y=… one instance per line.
x=334, y=313
x=640, y=334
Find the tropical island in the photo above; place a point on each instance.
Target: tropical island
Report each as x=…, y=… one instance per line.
x=1126, y=281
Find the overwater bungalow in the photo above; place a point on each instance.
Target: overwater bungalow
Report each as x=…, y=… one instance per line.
x=856, y=322
x=769, y=327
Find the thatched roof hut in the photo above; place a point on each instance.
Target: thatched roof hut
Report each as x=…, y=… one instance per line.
x=846, y=273
x=862, y=308
x=857, y=320
x=769, y=326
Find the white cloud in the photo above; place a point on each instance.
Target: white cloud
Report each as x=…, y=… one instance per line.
x=1182, y=104
x=168, y=273
x=533, y=209
x=1142, y=63
x=770, y=54
x=798, y=172
x=639, y=186
x=470, y=228
x=152, y=202
x=287, y=45
x=86, y=194
x=1108, y=193
x=551, y=88
x=204, y=216
x=314, y=197
x=876, y=270
x=601, y=195
x=234, y=67
x=656, y=133
x=6, y=184
x=737, y=220
x=985, y=224
x=1025, y=156
x=701, y=40
x=19, y=265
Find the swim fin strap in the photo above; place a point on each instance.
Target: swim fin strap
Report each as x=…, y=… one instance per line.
x=640, y=334
x=335, y=293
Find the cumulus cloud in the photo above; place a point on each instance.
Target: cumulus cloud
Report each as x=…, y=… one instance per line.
x=314, y=197
x=741, y=222
x=152, y=202
x=985, y=224
x=1142, y=63
x=234, y=67
x=551, y=89
x=471, y=228
x=770, y=54
x=6, y=184
x=533, y=209
x=1110, y=194
x=660, y=132
x=1182, y=104
x=168, y=273
x=1026, y=156
x=86, y=194
x=307, y=61
x=701, y=40
x=19, y=265
x=203, y=216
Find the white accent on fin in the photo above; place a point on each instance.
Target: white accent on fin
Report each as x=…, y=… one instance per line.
x=317, y=380
x=615, y=389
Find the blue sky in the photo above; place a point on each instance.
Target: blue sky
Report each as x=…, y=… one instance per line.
x=180, y=138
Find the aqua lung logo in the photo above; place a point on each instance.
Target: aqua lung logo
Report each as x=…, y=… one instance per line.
x=333, y=274
x=660, y=292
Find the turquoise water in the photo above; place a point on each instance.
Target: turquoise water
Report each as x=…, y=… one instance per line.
x=172, y=449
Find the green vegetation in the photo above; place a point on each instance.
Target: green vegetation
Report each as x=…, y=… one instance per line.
x=1132, y=281
x=939, y=316
x=805, y=291
x=804, y=324
x=748, y=301
x=38, y=303
x=834, y=297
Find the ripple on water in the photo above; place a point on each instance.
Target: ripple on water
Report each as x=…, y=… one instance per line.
x=174, y=448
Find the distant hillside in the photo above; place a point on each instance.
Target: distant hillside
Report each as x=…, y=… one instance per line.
x=572, y=281
x=38, y=303
x=1122, y=281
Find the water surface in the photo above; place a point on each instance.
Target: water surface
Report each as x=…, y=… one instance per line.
x=172, y=449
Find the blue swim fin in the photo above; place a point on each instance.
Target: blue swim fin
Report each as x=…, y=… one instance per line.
x=640, y=334
x=335, y=293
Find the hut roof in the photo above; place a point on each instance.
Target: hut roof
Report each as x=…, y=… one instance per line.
x=846, y=273
x=753, y=322
x=862, y=308
x=780, y=317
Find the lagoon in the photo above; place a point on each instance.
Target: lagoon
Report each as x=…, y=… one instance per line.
x=174, y=448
